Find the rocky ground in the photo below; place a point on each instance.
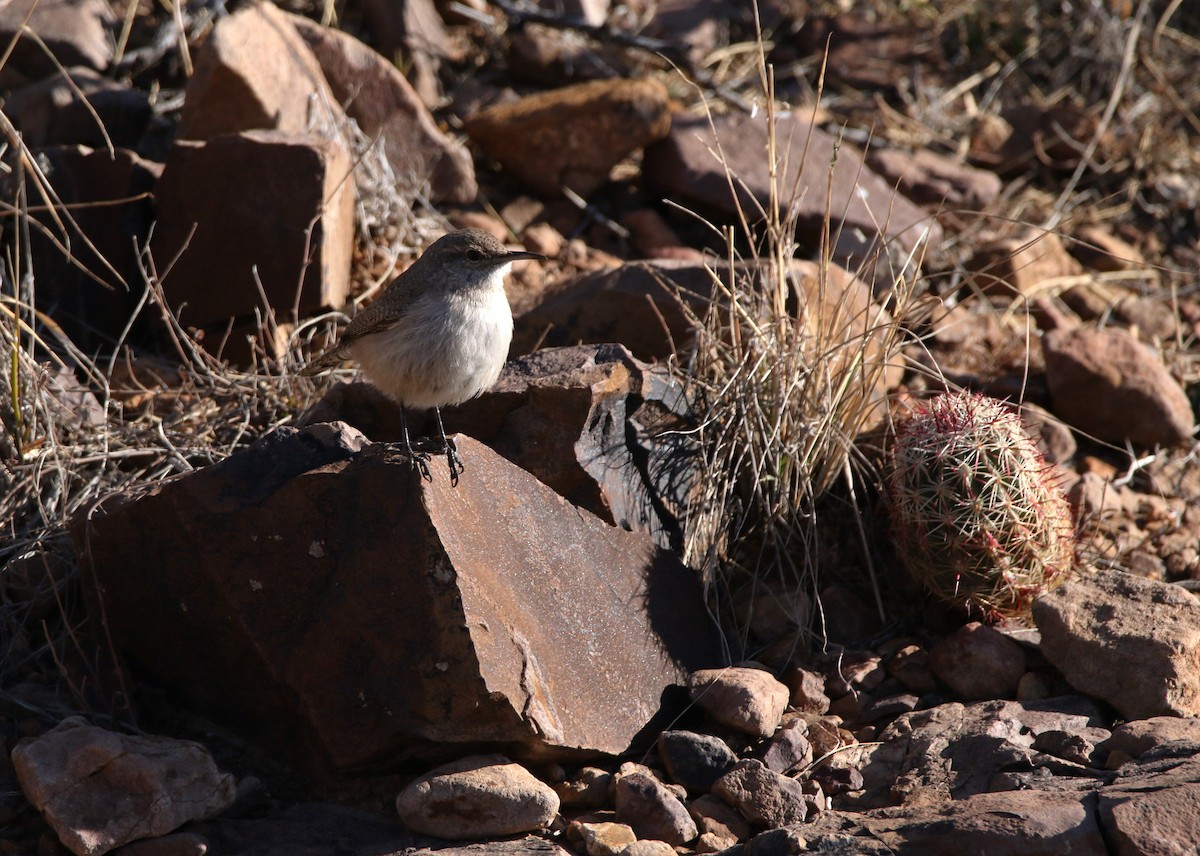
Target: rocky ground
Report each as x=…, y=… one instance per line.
x=236, y=620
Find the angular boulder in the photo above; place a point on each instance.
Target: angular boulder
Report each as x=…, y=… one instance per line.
x=99, y=789
x=1131, y=641
x=316, y=593
x=271, y=204
x=572, y=137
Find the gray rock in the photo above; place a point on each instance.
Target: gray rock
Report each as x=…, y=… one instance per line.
x=763, y=797
x=695, y=760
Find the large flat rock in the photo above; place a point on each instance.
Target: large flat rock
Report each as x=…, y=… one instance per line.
x=314, y=592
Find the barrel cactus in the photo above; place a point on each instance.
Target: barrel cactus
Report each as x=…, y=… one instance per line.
x=977, y=516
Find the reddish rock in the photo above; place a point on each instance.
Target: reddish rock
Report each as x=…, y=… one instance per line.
x=685, y=167
x=255, y=72
x=1026, y=264
x=75, y=32
x=1141, y=735
x=978, y=662
x=745, y=699
x=109, y=202
x=50, y=112
x=483, y=796
x=385, y=106
x=98, y=789
x=808, y=690
x=930, y=178
x=910, y=666
x=763, y=797
x=591, y=422
x=696, y=26
x=1131, y=641
x=346, y=634
x=652, y=810
x=589, y=787
x=715, y=816
x=639, y=305
x=572, y=137
x=414, y=30
x=274, y=201
x=1099, y=249
x=1107, y=384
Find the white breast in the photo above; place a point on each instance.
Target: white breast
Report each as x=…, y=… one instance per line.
x=449, y=347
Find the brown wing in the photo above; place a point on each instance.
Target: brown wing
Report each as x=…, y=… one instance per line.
x=380, y=315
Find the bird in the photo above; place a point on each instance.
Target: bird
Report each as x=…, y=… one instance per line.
x=438, y=335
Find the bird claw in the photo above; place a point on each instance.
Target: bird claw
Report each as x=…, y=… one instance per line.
x=420, y=461
x=454, y=461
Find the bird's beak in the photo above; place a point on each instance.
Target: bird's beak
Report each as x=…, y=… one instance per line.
x=517, y=255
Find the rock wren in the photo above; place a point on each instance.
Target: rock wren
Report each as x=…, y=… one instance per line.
x=439, y=333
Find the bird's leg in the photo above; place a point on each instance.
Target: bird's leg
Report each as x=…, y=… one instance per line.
x=452, y=458
x=420, y=460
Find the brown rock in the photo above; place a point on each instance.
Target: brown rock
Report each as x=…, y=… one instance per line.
x=572, y=137
x=763, y=797
x=788, y=749
x=1054, y=439
x=1010, y=823
x=178, y=844
x=1141, y=735
x=929, y=178
x=715, y=816
x=978, y=662
x=685, y=168
x=591, y=12
x=385, y=106
x=604, y=838
x=355, y=634
x=639, y=305
x=745, y=699
x=589, y=787
x=1153, y=805
x=412, y=30
x=1107, y=384
x=75, y=32
x=1099, y=249
x=98, y=789
x=696, y=26
x=109, y=199
x=272, y=200
x=652, y=810
x=808, y=690
x=255, y=72
x=50, y=112
x=1131, y=641
x=910, y=666
x=483, y=796
x=1025, y=264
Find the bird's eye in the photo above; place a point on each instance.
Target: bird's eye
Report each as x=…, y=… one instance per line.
x=474, y=255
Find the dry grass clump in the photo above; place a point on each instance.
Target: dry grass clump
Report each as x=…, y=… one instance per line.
x=786, y=378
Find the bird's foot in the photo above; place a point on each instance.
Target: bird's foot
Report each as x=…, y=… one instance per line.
x=419, y=460
x=454, y=461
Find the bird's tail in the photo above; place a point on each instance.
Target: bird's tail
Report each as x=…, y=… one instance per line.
x=328, y=360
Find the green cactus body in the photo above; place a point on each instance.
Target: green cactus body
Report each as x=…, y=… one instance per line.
x=977, y=516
